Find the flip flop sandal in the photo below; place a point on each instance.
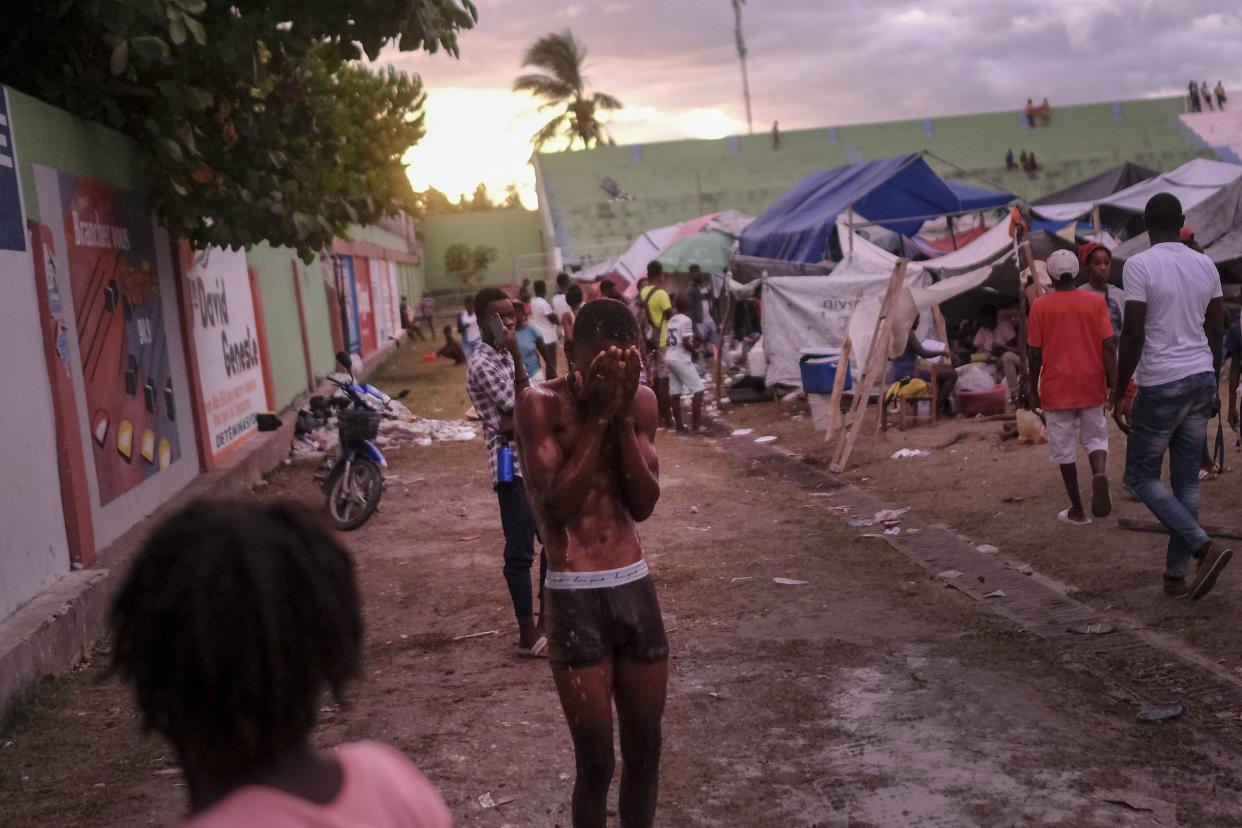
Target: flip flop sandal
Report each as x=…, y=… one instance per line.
x=537, y=650
x=1065, y=518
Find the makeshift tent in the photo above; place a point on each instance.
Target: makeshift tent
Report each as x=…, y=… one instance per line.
x=813, y=312
x=709, y=245
x=1211, y=197
x=1077, y=200
x=633, y=262
x=899, y=192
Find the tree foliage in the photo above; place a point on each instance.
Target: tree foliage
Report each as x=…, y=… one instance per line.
x=467, y=263
x=432, y=202
x=255, y=122
x=562, y=86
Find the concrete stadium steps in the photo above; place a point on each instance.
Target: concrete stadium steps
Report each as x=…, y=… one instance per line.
x=1222, y=131
x=676, y=180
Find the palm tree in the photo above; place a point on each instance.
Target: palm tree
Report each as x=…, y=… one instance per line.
x=561, y=86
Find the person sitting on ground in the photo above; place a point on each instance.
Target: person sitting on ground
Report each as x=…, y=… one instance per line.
x=408, y=322
x=573, y=298
x=232, y=621
x=997, y=339
x=588, y=450
x=906, y=367
x=451, y=350
x=528, y=344
x=1170, y=344
x=1073, y=356
x=1098, y=262
x=683, y=376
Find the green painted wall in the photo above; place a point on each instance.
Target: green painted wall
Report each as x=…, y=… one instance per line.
x=54, y=138
x=513, y=233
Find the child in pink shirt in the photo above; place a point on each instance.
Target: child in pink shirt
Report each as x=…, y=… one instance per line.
x=229, y=626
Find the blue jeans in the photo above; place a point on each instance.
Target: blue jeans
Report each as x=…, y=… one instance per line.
x=1172, y=417
x=518, y=524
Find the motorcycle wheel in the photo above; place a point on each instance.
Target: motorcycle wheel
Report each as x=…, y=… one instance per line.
x=355, y=495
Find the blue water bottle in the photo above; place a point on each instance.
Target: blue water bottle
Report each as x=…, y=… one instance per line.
x=504, y=464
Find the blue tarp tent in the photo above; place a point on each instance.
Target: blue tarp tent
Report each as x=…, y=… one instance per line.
x=899, y=192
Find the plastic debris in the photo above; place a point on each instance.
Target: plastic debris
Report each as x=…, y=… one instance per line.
x=765, y=439
x=987, y=549
x=859, y=522
x=1161, y=712
x=790, y=581
x=890, y=515
x=893, y=530
x=900, y=454
x=996, y=593
x=949, y=574
x=1025, y=569
x=486, y=801
x=742, y=432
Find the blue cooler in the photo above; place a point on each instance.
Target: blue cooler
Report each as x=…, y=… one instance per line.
x=819, y=372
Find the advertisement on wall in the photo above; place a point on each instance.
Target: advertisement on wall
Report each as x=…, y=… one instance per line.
x=105, y=265
x=350, y=295
x=380, y=299
x=226, y=345
x=366, y=306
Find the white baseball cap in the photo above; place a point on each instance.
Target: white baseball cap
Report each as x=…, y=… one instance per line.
x=1062, y=263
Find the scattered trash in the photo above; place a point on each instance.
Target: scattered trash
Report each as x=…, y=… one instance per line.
x=699, y=528
x=949, y=574
x=741, y=578
x=903, y=453
x=1161, y=712
x=767, y=438
x=857, y=522
x=894, y=530
x=1025, y=569
x=741, y=432
x=469, y=538
x=694, y=510
x=1099, y=628
x=486, y=801
x=1014, y=500
x=474, y=635
x=914, y=531
x=987, y=549
x=823, y=494
x=890, y=515
x=996, y=593
x=790, y=581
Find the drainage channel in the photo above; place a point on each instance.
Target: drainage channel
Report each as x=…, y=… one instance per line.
x=1150, y=667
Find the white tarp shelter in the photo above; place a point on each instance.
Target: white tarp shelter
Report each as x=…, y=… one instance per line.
x=1211, y=196
x=633, y=262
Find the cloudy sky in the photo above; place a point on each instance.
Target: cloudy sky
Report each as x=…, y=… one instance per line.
x=812, y=63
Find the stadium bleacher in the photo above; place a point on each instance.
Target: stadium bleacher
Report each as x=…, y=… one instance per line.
x=673, y=181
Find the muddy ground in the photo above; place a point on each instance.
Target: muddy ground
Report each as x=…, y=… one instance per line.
x=868, y=696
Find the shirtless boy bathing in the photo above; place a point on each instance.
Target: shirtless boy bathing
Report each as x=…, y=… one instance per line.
x=588, y=452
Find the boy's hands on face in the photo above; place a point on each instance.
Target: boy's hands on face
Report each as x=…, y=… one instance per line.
x=631, y=367
x=603, y=389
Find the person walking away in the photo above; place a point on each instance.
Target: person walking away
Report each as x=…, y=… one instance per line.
x=588, y=447
x=683, y=376
x=528, y=345
x=468, y=327
x=495, y=379
x=1206, y=96
x=544, y=322
x=1170, y=344
x=1220, y=96
x=573, y=298
x=703, y=310
x=427, y=311
x=658, y=308
x=232, y=621
x=1098, y=262
x=452, y=349
x=1194, y=97
x=1073, y=357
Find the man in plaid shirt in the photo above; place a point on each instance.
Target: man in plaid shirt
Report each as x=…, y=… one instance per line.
x=494, y=378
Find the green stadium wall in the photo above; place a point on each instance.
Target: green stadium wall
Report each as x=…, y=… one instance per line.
x=677, y=180
x=515, y=233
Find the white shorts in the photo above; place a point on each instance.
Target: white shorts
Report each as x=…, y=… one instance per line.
x=1066, y=428
x=683, y=378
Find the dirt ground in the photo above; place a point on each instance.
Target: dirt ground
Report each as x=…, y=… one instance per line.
x=1008, y=495
x=868, y=696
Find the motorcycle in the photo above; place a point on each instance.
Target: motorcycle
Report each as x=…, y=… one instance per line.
x=356, y=483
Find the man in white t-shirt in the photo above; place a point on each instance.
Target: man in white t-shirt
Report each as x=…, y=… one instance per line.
x=1170, y=345
x=683, y=376
x=560, y=304
x=542, y=320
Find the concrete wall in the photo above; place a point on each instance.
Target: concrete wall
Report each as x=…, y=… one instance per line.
x=34, y=550
x=514, y=233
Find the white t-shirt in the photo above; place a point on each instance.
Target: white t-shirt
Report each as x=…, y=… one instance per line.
x=1177, y=284
x=470, y=326
x=680, y=331
x=560, y=305
x=539, y=310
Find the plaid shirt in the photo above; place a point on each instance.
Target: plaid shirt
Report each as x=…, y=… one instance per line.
x=490, y=381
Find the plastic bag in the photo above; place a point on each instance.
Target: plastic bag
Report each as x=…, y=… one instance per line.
x=1031, y=429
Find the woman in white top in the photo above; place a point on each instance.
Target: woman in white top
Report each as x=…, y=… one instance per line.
x=468, y=327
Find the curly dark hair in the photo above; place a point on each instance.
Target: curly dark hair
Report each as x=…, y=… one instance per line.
x=606, y=321
x=229, y=625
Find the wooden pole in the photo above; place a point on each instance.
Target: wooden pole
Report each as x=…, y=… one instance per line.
x=838, y=391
